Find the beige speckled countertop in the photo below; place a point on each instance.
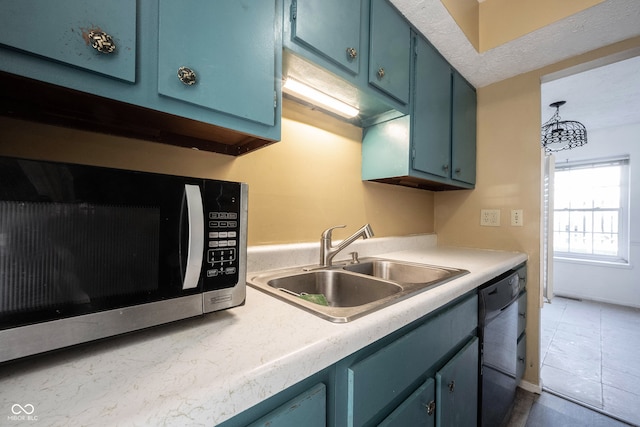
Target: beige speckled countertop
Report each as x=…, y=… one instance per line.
x=204, y=370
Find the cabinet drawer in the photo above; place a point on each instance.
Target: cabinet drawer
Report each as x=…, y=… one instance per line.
x=61, y=32
x=377, y=380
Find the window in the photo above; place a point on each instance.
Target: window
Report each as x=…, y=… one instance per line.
x=590, y=210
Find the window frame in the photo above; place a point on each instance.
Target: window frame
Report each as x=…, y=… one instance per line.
x=623, y=219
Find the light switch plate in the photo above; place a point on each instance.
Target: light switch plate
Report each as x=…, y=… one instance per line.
x=517, y=219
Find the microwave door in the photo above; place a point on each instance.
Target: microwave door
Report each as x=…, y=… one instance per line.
x=195, y=245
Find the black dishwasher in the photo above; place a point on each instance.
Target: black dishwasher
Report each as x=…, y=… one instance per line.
x=501, y=367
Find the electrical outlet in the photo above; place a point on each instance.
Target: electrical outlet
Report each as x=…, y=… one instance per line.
x=490, y=217
x=516, y=217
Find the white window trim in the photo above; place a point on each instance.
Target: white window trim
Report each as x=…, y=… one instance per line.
x=623, y=258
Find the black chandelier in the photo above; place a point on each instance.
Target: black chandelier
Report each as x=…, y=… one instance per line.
x=558, y=135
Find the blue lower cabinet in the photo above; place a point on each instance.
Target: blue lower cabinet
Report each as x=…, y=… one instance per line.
x=418, y=410
x=457, y=389
x=395, y=381
x=308, y=409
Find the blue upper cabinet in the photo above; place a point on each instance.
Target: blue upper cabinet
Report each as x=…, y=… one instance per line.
x=463, y=131
x=95, y=36
x=390, y=57
x=431, y=118
x=228, y=47
x=234, y=50
x=330, y=46
x=434, y=147
x=331, y=28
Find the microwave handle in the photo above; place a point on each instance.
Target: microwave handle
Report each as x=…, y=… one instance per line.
x=196, y=236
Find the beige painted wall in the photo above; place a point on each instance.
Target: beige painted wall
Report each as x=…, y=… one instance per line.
x=297, y=187
x=495, y=22
x=501, y=21
x=509, y=177
x=466, y=13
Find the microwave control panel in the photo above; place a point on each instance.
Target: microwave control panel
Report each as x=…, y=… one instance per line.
x=224, y=242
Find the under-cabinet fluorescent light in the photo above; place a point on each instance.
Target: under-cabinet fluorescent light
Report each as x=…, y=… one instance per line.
x=315, y=97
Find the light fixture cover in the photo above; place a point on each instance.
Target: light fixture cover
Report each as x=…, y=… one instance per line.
x=558, y=135
x=313, y=96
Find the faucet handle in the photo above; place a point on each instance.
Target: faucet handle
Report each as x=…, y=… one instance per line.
x=326, y=234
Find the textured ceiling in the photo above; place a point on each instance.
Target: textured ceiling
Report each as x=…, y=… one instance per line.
x=600, y=97
x=606, y=96
x=598, y=26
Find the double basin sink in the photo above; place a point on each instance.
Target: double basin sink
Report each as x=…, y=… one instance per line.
x=344, y=292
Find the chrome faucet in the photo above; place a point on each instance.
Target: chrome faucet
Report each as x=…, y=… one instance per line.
x=328, y=251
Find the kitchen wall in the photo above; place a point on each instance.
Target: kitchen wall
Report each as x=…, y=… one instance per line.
x=509, y=168
x=612, y=283
x=297, y=187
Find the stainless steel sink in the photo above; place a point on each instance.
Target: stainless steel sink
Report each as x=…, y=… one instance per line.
x=402, y=272
x=352, y=290
x=340, y=288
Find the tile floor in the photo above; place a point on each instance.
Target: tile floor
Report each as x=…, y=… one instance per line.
x=590, y=353
x=548, y=410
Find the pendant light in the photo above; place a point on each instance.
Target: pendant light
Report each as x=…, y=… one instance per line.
x=558, y=135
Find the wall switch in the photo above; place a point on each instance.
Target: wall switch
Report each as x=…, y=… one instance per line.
x=490, y=217
x=516, y=217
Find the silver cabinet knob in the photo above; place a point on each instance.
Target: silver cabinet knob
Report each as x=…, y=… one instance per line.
x=101, y=41
x=352, y=52
x=430, y=407
x=380, y=72
x=458, y=171
x=187, y=76
x=452, y=386
x=445, y=167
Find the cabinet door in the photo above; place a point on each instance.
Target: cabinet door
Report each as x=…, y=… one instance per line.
x=376, y=381
x=431, y=134
x=230, y=46
x=390, y=53
x=331, y=28
x=308, y=409
x=61, y=31
x=463, y=131
x=457, y=389
x=418, y=410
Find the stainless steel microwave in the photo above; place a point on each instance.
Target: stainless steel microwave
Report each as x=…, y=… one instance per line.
x=89, y=252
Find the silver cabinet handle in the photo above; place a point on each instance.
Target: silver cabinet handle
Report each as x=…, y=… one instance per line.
x=352, y=52
x=196, y=236
x=452, y=386
x=380, y=73
x=101, y=41
x=445, y=167
x=457, y=171
x=187, y=76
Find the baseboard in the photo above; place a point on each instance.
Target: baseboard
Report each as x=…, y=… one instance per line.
x=530, y=387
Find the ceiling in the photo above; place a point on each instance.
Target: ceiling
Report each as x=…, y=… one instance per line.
x=598, y=97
